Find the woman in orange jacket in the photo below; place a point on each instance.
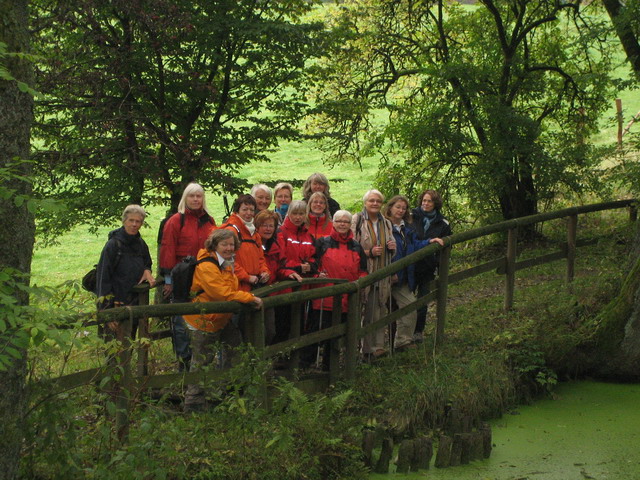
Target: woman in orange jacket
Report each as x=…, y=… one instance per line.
x=214, y=281
x=251, y=266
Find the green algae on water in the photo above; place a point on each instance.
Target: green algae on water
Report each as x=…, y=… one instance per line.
x=589, y=430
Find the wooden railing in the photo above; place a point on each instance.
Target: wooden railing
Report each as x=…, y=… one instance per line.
x=338, y=334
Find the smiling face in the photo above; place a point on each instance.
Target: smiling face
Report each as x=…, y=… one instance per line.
x=132, y=223
x=267, y=229
x=318, y=205
x=398, y=211
x=283, y=197
x=373, y=203
x=427, y=203
x=263, y=200
x=246, y=212
x=195, y=200
x=342, y=224
x=226, y=248
x=318, y=187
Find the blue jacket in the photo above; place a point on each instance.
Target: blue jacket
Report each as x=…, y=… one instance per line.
x=407, y=242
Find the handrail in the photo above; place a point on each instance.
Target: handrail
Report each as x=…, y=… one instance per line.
x=351, y=331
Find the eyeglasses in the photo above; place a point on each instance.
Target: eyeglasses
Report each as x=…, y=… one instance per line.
x=342, y=221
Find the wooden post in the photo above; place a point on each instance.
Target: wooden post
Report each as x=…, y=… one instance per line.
x=443, y=455
x=510, y=268
x=257, y=319
x=333, y=346
x=386, y=452
x=619, y=116
x=572, y=228
x=443, y=284
x=294, y=332
x=353, y=325
x=142, y=367
x=124, y=384
x=633, y=212
x=405, y=456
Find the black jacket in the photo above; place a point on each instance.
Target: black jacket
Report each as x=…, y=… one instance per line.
x=123, y=260
x=438, y=228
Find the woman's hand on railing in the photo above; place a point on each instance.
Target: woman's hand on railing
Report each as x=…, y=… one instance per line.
x=295, y=276
x=256, y=302
x=437, y=240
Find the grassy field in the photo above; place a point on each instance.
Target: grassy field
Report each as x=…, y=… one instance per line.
x=79, y=250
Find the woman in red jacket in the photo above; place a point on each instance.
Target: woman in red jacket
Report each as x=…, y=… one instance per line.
x=319, y=216
x=338, y=255
x=266, y=223
x=297, y=250
x=183, y=235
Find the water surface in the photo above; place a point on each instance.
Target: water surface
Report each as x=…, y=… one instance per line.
x=590, y=430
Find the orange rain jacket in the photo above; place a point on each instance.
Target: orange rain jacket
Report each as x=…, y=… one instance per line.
x=216, y=285
x=250, y=256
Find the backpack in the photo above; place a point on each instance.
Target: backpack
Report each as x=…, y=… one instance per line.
x=90, y=279
x=182, y=277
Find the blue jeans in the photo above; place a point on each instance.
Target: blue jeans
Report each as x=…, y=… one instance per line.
x=181, y=339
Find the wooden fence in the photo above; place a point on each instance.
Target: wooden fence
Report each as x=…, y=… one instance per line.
x=341, y=336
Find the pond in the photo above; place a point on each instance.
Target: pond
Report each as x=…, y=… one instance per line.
x=589, y=430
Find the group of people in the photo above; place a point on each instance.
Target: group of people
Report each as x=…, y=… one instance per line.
x=256, y=246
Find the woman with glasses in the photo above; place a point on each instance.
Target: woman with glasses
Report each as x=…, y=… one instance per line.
x=375, y=234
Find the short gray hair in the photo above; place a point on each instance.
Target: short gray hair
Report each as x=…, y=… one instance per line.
x=133, y=210
x=219, y=235
x=342, y=213
x=373, y=191
x=263, y=187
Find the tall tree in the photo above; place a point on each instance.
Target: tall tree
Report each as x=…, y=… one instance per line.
x=16, y=223
x=492, y=101
x=143, y=97
x=615, y=350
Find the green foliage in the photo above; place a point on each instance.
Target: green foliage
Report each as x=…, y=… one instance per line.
x=494, y=102
x=142, y=97
x=6, y=75
x=300, y=436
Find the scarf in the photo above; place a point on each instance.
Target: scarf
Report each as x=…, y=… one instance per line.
x=379, y=236
x=282, y=210
x=250, y=226
x=427, y=219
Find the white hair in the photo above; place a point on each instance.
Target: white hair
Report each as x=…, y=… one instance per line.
x=189, y=189
x=342, y=213
x=263, y=187
x=373, y=191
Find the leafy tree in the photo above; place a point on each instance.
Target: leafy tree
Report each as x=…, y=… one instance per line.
x=143, y=97
x=492, y=102
x=16, y=222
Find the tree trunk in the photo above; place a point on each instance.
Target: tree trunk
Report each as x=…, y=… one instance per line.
x=624, y=30
x=615, y=346
x=16, y=223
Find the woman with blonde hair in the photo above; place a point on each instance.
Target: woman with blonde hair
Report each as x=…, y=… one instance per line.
x=183, y=235
x=283, y=195
x=318, y=215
